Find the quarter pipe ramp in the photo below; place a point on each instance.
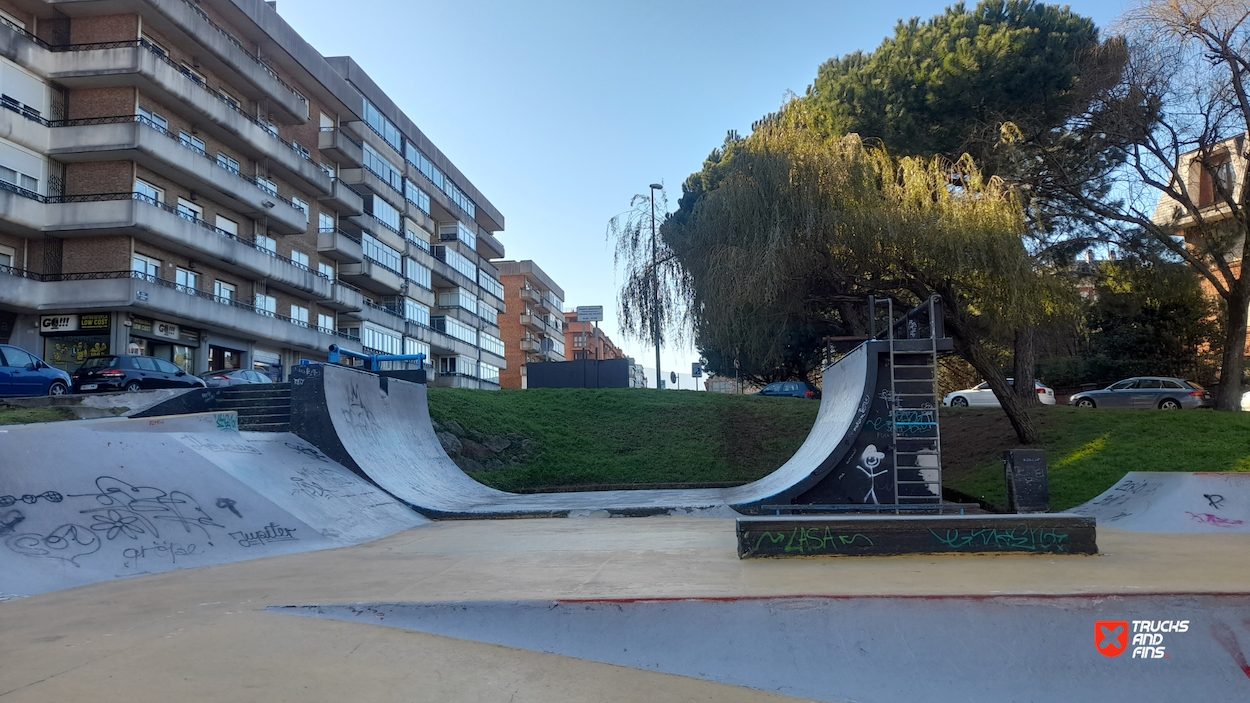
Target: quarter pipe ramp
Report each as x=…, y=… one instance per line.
x=95, y=500
x=1162, y=501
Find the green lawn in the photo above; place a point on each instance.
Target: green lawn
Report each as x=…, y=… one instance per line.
x=1089, y=450
x=602, y=437
x=25, y=416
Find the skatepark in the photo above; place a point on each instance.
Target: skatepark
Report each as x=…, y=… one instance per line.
x=177, y=557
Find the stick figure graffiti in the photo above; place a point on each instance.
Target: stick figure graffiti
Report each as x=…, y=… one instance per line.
x=868, y=463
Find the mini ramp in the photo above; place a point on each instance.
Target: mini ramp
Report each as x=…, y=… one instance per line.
x=380, y=427
x=1161, y=501
x=94, y=500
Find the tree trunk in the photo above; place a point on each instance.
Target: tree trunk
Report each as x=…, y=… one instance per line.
x=1025, y=357
x=969, y=346
x=1228, y=396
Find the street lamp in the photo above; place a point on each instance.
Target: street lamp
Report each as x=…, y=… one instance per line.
x=655, y=287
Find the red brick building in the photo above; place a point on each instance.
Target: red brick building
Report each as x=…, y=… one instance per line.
x=532, y=327
x=587, y=341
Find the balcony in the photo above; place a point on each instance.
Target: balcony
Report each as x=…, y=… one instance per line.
x=340, y=246
x=363, y=178
x=344, y=298
x=379, y=315
x=533, y=322
x=343, y=199
x=133, y=137
x=373, y=276
x=489, y=246
x=111, y=290
x=531, y=346
x=377, y=229
x=335, y=143
x=137, y=63
x=531, y=296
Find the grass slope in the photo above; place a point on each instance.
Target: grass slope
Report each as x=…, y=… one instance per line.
x=1089, y=450
x=27, y=416
x=602, y=436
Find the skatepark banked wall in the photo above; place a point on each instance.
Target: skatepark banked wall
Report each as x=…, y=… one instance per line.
x=381, y=429
x=96, y=500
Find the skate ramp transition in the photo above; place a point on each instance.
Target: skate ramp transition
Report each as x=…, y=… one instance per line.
x=381, y=428
x=94, y=500
x=1162, y=501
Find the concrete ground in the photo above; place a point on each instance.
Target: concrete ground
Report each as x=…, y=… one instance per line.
x=199, y=635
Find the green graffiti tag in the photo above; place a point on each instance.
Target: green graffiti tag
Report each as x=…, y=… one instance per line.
x=227, y=421
x=811, y=540
x=1019, y=538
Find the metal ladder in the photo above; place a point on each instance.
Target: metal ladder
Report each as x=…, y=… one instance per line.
x=914, y=432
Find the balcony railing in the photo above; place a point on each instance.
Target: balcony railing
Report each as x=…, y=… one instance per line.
x=161, y=55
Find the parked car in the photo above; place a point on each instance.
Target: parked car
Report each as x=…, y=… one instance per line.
x=23, y=373
x=1146, y=392
x=131, y=372
x=234, y=377
x=1245, y=401
x=982, y=396
x=791, y=389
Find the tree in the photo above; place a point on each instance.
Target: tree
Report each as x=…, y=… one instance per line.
x=794, y=210
x=1178, y=113
x=649, y=300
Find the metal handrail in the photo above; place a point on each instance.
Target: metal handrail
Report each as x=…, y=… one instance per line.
x=335, y=230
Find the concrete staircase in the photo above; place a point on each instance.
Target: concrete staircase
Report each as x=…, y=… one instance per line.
x=261, y=408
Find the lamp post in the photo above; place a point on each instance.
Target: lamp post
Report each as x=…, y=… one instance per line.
x=655, y=287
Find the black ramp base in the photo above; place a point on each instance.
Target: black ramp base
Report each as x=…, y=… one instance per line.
x=791, y=536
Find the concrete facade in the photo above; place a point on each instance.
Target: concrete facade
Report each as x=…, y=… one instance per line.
x=197, y=169
x=535, y=314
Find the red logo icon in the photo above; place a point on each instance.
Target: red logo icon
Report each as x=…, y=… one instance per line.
x=1111, y=636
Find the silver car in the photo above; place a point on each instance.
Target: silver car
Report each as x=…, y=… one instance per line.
x=1147, y=393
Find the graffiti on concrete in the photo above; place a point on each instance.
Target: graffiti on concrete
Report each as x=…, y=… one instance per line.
x=50, y=496
x=161, y=550
x=869, y=460
x=270, y=533
x=219, y=446
x=1216, y=520
x=10, y=520
x=127, y=510
x=1216, y=500
x=68, y=543
x=1020, y=538
x=228, y=504
x=811, y=540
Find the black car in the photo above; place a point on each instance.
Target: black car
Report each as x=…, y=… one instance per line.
x=131, y=372
x=791, y=389
x=234, y=377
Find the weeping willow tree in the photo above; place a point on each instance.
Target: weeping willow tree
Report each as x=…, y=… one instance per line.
x=796, y=220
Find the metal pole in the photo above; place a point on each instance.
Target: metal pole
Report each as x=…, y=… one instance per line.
x=655, y=292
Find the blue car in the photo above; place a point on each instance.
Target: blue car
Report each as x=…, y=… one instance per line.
x=23, y=373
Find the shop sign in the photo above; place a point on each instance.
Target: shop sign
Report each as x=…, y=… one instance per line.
x=141, y=325
x=58, y=323
x=93, y=322
x=266, y=357
x=167, y=330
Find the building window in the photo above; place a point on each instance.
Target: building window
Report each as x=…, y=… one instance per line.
x=383, y=212
x=416, y=235
x=224, y=291
x=384, y=128
x=416, y=273
x=381, y=339
x=19, y=179
x=6, y=256
x=146, y=265
x=153, y=120
x=227, y=163
x=149, y=193
x=452, y=231
x=490, y=343
x=489, y=284
x=155, y=47
x=226, y=226
x=381, y=253
x=326, y=323
x=452, y=327
x=383, y=168
x=188, y=210
x=301, y=150
x=266, y=304
x=267, y=185
x=461, y=365
x=300, y=259
x=416, y=196
x=192, y=73
x=458, y=297
x=266, y=244
x=299, y=315
x=488, y=372
x=193, y=143
x=488, y=313
x=416, y=312
x=300, y=205
x=458, y=262
x=325, y=223
x=412, y=347
x=187, y=281
x=326, y=270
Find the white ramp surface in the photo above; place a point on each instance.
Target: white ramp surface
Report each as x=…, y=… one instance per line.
x=94, y=500
x=1162, y=501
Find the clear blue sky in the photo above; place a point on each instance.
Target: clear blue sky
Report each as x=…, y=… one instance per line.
x=559, y=112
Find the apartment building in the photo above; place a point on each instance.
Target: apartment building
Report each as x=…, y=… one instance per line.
x=192, y=180
x=533, y=327
x=586, y=341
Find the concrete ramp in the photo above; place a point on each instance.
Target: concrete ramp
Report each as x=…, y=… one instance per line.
x=1162, y=501
x=94, y=500
x=381, y=428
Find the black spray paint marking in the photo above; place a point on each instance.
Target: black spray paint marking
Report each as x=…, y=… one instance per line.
x=1216, y=500
x=50, y=496
x=270, y=533
x=228, y=504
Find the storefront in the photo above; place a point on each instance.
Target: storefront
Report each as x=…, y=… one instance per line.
x=68, y=340
x=164, y=340
x=269, y=363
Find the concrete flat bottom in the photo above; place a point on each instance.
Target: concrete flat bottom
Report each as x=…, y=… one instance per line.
x=200, y=635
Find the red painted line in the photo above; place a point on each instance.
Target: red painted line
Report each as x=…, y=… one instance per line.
x=1224, y=635
x=952, y=597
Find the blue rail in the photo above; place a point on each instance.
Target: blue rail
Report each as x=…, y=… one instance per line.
x=337, y=354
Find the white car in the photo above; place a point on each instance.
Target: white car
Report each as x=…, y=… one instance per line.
x=1245, y=401
x=983, y=397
